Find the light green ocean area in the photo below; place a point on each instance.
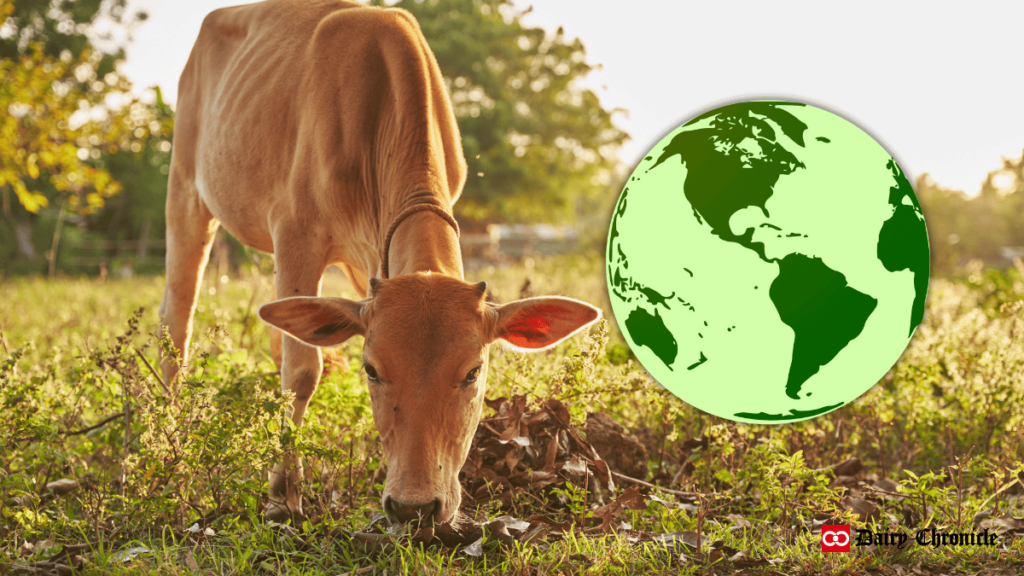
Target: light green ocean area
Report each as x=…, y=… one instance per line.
x=695, y=264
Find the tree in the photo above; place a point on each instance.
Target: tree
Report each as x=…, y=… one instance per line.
x=47, y=132
x=1006, y=184
x=980, y=227
x=142, y=168
x=535, y=140
x=949, y=228
x=66, y=108
x=59, y=26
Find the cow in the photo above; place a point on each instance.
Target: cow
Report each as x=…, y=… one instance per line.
x=320, y=131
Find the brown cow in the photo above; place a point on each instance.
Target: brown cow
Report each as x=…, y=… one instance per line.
x=321, y=131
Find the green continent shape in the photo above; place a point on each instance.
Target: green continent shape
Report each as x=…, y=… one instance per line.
x=735, y=163
x=722, y=173
x=650, y=331
x=793, y=414
x=824, y=312
x=903, y=241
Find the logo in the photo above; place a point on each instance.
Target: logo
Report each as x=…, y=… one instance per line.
x=835, y=538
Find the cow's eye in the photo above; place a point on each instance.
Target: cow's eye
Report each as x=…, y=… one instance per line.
x=371, y=373
x=472, y=376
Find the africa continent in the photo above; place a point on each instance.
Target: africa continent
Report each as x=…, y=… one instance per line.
x=732, y=163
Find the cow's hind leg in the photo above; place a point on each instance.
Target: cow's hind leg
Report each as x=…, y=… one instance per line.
x=190, y=232
x=299, y=273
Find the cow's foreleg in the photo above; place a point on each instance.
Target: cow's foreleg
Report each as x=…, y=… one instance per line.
x=190, y=233
x=299, y=273
x=275, y=341
x=357, y=278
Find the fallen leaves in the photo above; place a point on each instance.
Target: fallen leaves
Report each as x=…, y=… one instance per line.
x=1003, y=525
x=865, y=510
x=535, y=450
x=534, y=481
x=849, y=467
x=66, y=561
x=128, y=554
x=629, y=499
x=624, y=453
x=532, y=451
x=470, y=537
x=62, y=487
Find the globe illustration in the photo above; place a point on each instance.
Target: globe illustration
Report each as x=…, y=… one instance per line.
x=768, y=261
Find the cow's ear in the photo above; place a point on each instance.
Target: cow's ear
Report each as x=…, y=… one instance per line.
x=315, y=321
x=536, y=323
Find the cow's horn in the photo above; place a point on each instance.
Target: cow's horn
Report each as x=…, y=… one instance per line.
x=481, y=287
x=374, y=283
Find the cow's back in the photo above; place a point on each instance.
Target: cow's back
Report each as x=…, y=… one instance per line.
x=287, y=107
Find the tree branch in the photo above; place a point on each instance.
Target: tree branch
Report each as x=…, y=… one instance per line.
x=99, y=424
x=153, y=372
x=649, y=485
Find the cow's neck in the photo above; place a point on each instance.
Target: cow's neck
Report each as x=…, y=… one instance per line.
x=424, y=242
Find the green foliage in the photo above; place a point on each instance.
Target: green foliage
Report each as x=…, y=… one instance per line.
x=72, y=134
x=193, y=451
x=190, y=464
x=141, y=166
x=961, y=228
x=948, y=413
x=62, y=25
x=537, y=143
x=574, y=498
x=46, y=133
x=55, y=94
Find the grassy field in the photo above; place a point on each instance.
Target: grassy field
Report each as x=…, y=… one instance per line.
x=179, y=487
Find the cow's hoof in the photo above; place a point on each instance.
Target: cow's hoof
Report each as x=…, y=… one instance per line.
x=281, y=513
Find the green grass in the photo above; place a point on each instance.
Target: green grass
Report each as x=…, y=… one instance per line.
x=945, y=425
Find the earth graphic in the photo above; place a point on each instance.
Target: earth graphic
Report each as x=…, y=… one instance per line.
x=768, y=261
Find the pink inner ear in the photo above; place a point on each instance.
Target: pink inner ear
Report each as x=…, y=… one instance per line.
x=531, y=329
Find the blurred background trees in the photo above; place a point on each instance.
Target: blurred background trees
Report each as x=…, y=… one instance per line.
x=540, y=147
x=84, y=160
x=987, y=227
x=73, y=136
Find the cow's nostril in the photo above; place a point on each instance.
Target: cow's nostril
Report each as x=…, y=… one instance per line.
x=389, y=509
x=398, y=511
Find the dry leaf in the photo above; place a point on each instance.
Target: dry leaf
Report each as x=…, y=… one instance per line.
x=849, y=467
x=687, y=540
x=866, y=511
x=62, y=487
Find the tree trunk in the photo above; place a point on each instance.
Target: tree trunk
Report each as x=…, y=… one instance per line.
x=52, y=255
x=144, y=240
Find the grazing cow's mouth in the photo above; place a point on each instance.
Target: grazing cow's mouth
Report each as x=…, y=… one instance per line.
x=398, y=511
x=427, y=341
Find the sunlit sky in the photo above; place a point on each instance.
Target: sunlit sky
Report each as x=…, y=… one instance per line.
x=939, y=87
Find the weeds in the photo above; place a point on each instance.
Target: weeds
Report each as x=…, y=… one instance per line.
x=180, y=470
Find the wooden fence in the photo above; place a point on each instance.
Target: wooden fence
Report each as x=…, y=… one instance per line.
x=500, y=244
x=97, y=252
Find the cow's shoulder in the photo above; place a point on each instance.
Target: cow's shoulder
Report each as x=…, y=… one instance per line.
x=367, y=25
x=254, y=29
x=228, y=24
x=219, y=36
x=271, y=19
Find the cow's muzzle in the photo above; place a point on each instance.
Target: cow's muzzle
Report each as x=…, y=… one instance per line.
x=398, y=511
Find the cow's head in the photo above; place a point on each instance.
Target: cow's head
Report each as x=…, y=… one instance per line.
x=427, y=338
